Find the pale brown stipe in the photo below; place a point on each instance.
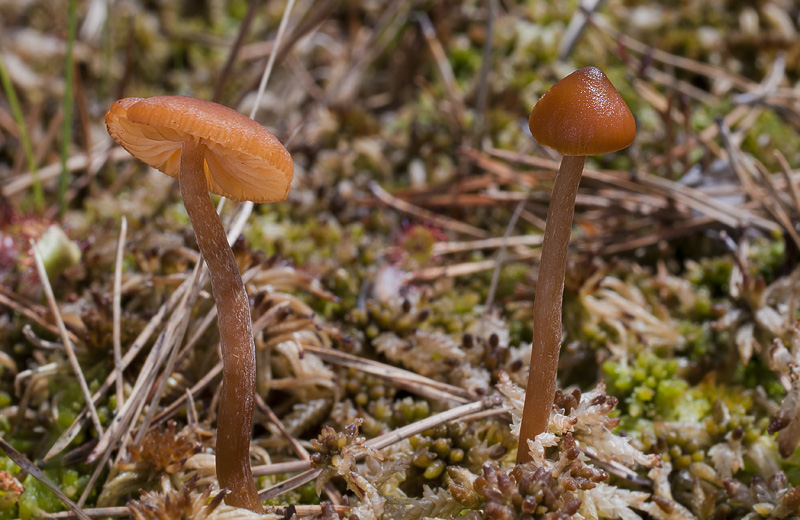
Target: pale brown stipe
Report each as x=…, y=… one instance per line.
x=211, y=147
x=581, y=115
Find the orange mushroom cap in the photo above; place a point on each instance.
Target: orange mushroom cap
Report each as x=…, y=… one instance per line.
x=243, y=160
x=583, y=114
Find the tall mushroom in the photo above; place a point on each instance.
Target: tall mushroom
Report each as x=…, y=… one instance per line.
x=209, y=147
x=583, y=114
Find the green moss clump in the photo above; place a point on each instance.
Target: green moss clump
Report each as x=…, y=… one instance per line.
x=767, y=257
x=36, y=496
x=713, y=273
x=647, y=387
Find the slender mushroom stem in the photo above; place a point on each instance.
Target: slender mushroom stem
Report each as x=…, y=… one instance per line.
x=541, y=390
x=235, y=417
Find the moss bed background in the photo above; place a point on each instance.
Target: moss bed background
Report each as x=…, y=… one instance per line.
x=383, y=292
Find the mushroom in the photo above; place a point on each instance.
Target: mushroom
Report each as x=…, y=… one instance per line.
x=581, y=115
x=209, y=147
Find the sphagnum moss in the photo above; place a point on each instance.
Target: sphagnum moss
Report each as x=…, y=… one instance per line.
x=407, y=133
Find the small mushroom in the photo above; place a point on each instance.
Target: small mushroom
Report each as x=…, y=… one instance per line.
x=583, y=114
x=209, y=147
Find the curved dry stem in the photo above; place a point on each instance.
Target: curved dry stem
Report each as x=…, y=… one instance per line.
x=541, y=387
x=235, y=417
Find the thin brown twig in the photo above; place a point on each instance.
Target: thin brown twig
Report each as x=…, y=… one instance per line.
x=745, y=170
x=482, y=95
x=682, y=62
x=786, y=170
x=774, y=200
x=278, y=468
x=298, y=448
x=454, y=94
x=655, y=236
x=33, y=313
x=301, y=510
x=438, y=220
x=173, y=407
x=646, y=183
x=244, y=29
x=289, y=484
x=393, y=18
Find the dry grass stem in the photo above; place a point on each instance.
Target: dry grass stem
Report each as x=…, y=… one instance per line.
x=415, y=176
x=786, y=170
x=173, y=407
x=576, y=26
x=272, y=56
x=117, y=312
x=500, y=253
x=103, y=152
x=23, y=462
x=381, y=442
x=297, y=448
x=465, y=268
x=452, y=91
x=450, y=247
x=278, y=468
x=97, y=512
x=423, y=214
x=398, y=376
x=34, y=313
x=65, y=339
x=666, y=58
x=241, y=35
x=130, y=354
x=746, y=171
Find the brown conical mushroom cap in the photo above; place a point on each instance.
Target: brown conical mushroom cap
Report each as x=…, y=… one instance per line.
x=243, y=161
x=583, y=114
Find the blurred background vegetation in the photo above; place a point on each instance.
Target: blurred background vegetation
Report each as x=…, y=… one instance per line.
x=407, y=122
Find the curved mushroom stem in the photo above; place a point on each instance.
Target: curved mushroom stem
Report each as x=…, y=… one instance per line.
x=237, y=398
x=541, y=387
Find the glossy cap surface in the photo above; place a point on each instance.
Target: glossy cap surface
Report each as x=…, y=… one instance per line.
x=583, y=114
x=243, y=160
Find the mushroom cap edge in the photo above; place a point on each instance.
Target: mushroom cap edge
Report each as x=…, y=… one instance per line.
x=243, y=161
